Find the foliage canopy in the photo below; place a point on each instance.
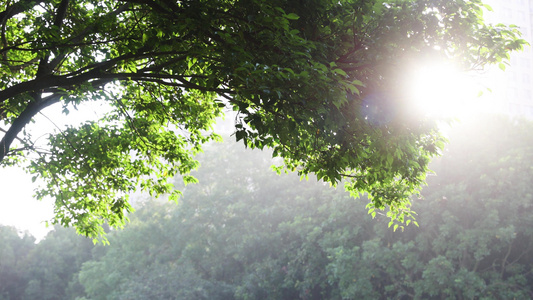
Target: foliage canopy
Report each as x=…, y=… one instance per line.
x=317, y=81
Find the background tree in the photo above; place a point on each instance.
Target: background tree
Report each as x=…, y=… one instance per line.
x=236, y=235
x=474, y=233
x=47, y=270
x=317, y=81
x=13, y=252
x=53, y=266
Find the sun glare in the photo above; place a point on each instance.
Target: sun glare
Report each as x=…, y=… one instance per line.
x=441, y=90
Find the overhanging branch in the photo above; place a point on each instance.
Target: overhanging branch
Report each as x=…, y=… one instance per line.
x=16, y=9
x=23, y=119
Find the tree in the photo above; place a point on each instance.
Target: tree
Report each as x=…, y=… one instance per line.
x=53, y=264
x=47, y=270
x=229, y=237
x=13, y=251
x=246, y=234
x=317, y=81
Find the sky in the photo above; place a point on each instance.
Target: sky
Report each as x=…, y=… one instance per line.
x=18, y=207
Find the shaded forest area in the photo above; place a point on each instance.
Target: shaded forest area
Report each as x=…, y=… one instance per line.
x=244, y=232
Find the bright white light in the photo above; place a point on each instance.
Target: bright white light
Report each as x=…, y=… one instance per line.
x=18, y=207
x=441, y=90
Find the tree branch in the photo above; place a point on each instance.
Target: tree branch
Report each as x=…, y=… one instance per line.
x=152, y=4
x=16, y=9
x=76, y=40
x=46, y=68
x=22, y=120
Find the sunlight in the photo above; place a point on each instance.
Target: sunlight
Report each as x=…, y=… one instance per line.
x=441, y=90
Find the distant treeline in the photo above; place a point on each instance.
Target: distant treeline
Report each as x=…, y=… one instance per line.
x=244, y=232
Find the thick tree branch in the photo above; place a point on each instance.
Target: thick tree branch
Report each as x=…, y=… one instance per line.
x=28, y=146
x=16, y=9
x=93, y=72
x=30, y=111
x=46, y=68
x=152, y=4
x=25, y=117
x=61, y=13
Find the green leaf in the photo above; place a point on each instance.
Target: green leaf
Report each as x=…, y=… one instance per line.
x=239, y=135
x=292, y=16
x=358, y=82
x=340, y=72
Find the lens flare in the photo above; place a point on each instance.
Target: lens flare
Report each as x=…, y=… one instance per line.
x=441, y=90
